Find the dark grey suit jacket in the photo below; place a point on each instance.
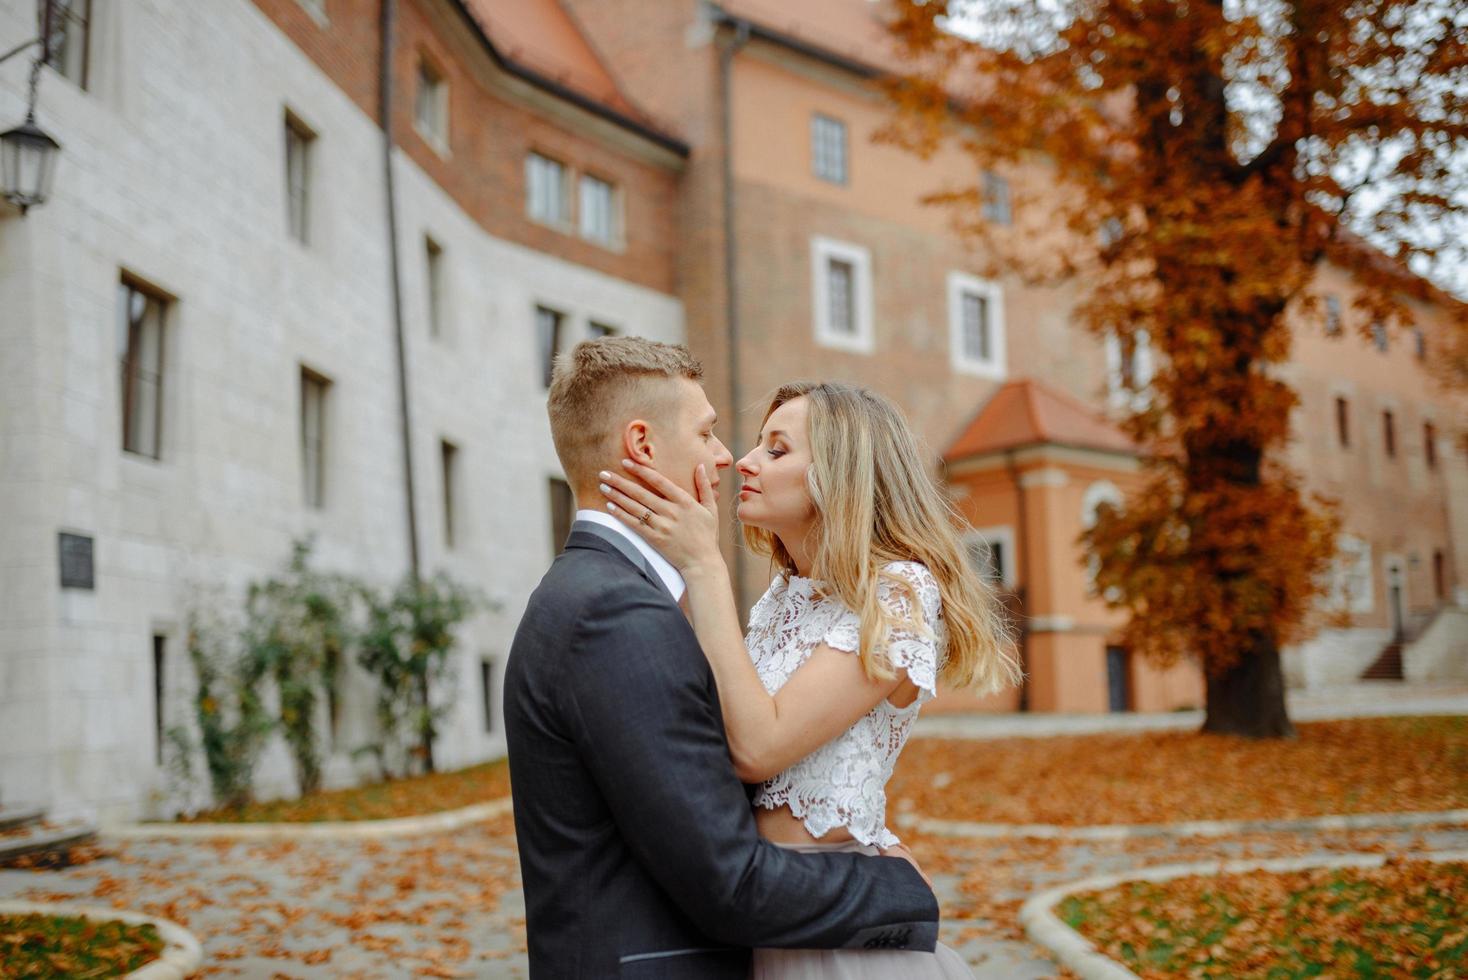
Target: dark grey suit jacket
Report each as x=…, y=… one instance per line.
x=638, y=849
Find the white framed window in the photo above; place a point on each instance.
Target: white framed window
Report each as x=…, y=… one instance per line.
x=431, y=106
x=448, y=456
x=976, y=325
x=841, y=281
x=298, y=141
x=990, y=552
x=1332, y=316
x=546, y=196
x=596, y=330
x=549, y=325
x=1129, y=370
x=1352, y=585
x=998, y=207
x=828, y=148
x=142, y=317
x=599, y=211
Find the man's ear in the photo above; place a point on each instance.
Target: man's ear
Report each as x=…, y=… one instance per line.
x=637, y=442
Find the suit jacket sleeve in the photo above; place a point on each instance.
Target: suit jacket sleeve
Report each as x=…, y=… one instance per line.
x=642, y=701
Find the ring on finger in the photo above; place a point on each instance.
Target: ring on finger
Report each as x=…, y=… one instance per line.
x=646, y=516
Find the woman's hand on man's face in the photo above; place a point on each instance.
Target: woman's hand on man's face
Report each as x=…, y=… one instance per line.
x=683, y=529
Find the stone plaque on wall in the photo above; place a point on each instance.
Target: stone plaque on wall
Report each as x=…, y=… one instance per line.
x=76, y=561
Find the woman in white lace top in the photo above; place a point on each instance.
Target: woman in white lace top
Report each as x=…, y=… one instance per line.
x=872, y=604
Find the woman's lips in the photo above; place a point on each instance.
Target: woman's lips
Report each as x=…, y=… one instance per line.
x=744, y=490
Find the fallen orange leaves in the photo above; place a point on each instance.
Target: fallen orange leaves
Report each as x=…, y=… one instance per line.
x=1355, y=766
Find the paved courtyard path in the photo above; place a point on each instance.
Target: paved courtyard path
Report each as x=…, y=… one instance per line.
x=449, y=905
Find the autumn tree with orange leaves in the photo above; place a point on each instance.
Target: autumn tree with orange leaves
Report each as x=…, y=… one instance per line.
x=1203, y=159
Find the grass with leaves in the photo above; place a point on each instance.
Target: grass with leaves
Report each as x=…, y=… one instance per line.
x=35, y=946
x=409, y=797
x=1363, y=765
x=1404, y=919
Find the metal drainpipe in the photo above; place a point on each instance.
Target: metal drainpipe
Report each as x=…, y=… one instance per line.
x=731, y=308
x=1021, y=555
x=385, y=107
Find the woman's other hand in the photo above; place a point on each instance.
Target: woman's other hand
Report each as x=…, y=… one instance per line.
x=682, y=529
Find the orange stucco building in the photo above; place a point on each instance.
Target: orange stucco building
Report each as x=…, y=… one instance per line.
x=840, y=271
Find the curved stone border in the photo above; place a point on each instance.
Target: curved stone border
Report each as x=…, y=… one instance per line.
x=428, y=823
x=1078, y=953
x=1192, y=828
x=181, y=955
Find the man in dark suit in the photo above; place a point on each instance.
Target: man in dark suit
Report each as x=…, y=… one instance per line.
x=638, y=850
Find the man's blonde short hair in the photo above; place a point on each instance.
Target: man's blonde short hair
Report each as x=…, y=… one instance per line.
x=600, y=386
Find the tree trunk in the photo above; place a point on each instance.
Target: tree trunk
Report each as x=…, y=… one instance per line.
x=1248, y=698
x=427, y=729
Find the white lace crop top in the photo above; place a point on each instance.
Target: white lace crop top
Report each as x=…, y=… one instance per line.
x=844, y=782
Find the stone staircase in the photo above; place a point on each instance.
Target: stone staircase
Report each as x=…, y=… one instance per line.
x=1388, y=666
x=28, y=839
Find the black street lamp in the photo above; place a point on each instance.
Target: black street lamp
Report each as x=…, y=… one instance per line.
x=27, y=152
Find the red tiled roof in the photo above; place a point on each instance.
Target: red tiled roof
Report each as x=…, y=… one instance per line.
x=851, y=29
x=1029, y=413
x=540, y=37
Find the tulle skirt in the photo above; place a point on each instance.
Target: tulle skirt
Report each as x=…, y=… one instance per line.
x=856, y=964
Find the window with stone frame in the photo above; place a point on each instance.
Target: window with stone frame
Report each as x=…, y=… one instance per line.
x=562, y=512
x=549, y=324
x=299, y=140
x=546, y=195
x=448, y=455
x=314, y=394
x=431, y=106
x=976, y=325
x=842, y=295
x=434, y=285
x=997, y=208
x=1332, y=316
x=142, y=326
x=1389, y=433
x=598, y=212
x=828, y=148
x=1343, y=422
x=69, y=39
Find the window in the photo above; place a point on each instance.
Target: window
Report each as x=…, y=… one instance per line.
x=563, y=513
x=997, y=207
x=548, y=338
x=486, y=691
x=160, y=651
x=140, y=348
x=976, y=325
x=1110, y=232
x=842, y=295
x=1420, y=337
x=449, y=469
x=1378, y=335
x=313, y=437
x=598, y=330
x=1439, y=574
x=598, y=211
x=1343, y=422
x=1389, y=433
x=1352, y=587
x=1332, y=316
x=434, y=264
x=298, y=139
x=1102, y=493
x=1129, y=369
x=431, y=106
x=990, y=552
x=70, y=30
x=828, y=148
x=1429, y=444
x=316, y=8
x=545, y=195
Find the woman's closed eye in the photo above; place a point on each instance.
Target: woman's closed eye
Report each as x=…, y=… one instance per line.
x=775, y=453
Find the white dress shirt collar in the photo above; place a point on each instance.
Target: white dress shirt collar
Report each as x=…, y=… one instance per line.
x=664, y=569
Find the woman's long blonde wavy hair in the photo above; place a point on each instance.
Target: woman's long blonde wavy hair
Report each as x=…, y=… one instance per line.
x=876, y=503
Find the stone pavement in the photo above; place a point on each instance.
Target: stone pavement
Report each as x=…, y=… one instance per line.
x=1367, y=699
x=449, y=905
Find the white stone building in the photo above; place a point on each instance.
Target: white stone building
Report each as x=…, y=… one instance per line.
x=173, y=194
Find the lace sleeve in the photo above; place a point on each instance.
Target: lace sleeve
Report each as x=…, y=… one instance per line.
x=761, y=611
x=916, y=651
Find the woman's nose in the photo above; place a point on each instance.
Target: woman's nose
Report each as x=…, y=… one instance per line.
x=746, y=465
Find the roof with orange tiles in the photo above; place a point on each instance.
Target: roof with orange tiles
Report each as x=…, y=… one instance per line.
x=1030, y=413
x=539, y=41
x=850, y=30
